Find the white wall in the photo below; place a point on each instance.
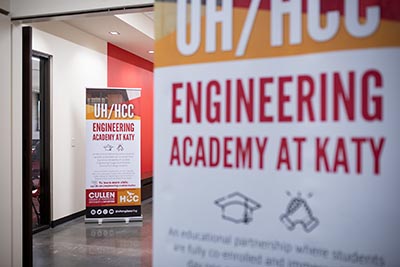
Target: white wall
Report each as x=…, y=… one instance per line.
x=16, y=96
x=74, y=67
x=5, y=148
x=21, y=8
x=5, y=5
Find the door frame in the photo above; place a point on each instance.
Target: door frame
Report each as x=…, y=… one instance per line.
x=45, y=110
x=27, y=147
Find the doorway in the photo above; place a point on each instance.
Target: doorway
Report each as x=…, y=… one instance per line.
x=35, y=143
x=68, y=51
x=40, y=141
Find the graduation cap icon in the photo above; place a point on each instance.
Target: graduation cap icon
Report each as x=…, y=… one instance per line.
x=108, y=147
x=237, y=207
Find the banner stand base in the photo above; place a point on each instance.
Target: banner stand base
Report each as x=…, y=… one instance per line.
x=116, y=219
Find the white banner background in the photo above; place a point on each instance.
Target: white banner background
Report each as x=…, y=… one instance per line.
x=357, y=213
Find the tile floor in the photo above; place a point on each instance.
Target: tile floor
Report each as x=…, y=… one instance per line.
x=110, y=244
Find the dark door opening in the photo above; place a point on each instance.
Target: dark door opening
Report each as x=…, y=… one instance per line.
x=40, y=141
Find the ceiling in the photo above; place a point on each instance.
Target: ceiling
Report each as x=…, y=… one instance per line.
x=136, y=30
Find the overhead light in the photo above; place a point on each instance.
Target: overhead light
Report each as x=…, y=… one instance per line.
x=114, y=33
x=150, y=51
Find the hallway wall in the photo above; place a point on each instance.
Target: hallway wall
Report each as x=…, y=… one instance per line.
x=74, y=67
x=128, y=70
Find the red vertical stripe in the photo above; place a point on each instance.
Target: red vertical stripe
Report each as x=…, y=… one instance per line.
x=125, y=69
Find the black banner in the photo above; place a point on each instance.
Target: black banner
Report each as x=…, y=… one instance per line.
x=113, y=211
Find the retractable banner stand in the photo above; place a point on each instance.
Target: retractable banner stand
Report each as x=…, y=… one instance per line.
x=113, y=155
x=277, y=134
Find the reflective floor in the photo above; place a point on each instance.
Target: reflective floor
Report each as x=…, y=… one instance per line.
x=110, y=244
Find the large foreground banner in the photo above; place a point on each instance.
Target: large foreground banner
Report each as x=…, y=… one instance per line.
x=277, y=133
x=113, y=155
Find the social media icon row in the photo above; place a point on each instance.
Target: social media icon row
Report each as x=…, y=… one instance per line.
x=102, y=211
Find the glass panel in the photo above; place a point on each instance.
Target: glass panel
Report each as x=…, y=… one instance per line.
x=36, y=147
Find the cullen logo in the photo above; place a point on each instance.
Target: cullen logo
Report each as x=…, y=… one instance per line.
x=101, y=195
